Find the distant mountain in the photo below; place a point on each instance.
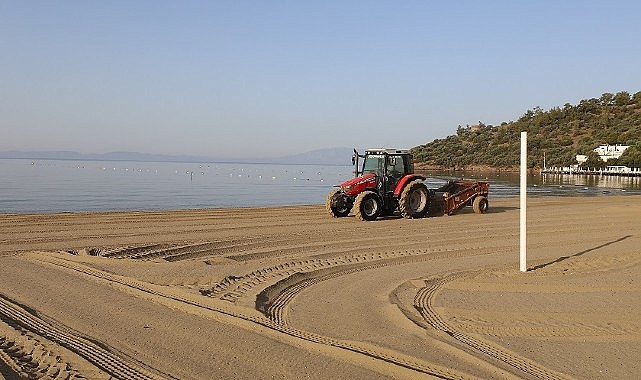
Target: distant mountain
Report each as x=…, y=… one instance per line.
x=331, y=156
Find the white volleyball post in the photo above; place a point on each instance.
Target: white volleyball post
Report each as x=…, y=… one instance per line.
x=523, y=204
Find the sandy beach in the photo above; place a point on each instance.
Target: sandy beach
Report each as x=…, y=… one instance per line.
x=291, y=293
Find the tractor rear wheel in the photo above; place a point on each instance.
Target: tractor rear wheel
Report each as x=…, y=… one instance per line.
x=336, y=205
x=367, y=206
x=415, y=200
x=480, y=205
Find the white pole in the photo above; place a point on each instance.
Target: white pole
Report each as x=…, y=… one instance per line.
x=523, y=204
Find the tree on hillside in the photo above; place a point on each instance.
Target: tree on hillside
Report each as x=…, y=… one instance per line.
x=622, y=98
x=593, y=162
x=631, y=157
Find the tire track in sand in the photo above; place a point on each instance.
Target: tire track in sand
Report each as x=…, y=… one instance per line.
x=274, y=302
x=184, y=251
x=364, y=348
x=423, y=302
x=233, y=287
x=28, y=356
x=97, y=354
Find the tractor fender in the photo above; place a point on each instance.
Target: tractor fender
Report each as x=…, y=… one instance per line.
x=404, y=181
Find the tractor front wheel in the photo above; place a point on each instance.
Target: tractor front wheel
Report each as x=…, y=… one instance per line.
x=414, y=201
x=367, y=206
x=336, y=204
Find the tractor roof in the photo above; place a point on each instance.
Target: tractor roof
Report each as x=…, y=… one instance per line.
x=387, y=151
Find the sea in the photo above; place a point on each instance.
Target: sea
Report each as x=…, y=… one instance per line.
x=52, y=186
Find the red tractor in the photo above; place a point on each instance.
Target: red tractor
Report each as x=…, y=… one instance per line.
x=387, y=183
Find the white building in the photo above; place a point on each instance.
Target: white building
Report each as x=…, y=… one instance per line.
x=581, y=158
x=607, y=152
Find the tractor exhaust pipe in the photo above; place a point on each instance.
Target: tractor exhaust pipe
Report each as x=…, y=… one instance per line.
x=355, y=157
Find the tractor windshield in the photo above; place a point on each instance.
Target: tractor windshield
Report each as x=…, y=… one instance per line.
x=374, y=163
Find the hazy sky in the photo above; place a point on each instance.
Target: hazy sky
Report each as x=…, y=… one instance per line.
x=267, y=78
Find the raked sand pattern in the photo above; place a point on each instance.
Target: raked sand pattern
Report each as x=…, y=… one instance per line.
x=290, y=293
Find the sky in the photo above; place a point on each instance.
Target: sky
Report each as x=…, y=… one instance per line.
x=245, y=79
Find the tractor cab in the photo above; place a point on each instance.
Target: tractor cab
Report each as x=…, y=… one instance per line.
x=388, y=165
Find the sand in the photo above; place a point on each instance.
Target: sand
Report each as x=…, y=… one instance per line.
x=290, y=293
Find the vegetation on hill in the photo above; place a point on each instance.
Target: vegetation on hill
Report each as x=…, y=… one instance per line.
x=559, y=133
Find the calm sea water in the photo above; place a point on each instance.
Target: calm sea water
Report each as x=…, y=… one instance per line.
x=34, y=186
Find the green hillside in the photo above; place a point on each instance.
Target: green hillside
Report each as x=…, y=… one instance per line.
x=560, y=133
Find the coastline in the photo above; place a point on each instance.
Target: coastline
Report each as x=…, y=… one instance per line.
x=289, y=291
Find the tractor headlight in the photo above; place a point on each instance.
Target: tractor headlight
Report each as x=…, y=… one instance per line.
x=347, y=189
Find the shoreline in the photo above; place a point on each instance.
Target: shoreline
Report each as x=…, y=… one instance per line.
x=536, y=194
